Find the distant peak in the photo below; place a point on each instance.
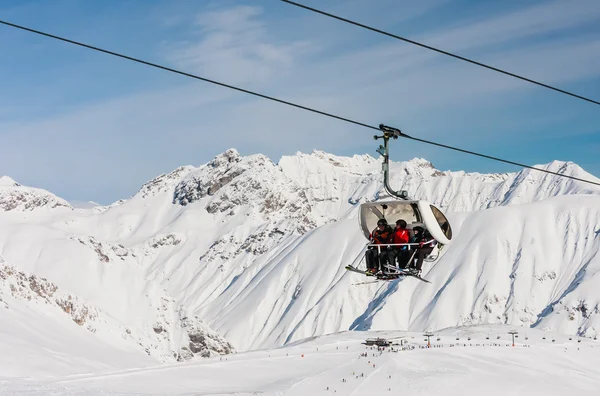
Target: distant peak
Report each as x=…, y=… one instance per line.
x=232, y=152
x=567, y=168
x=324, y=154
x=7, y=181
x=421, y=162
x=229, y=156
x=331, y=159
x=16, y=197
x=556, y=164
x=162, y=183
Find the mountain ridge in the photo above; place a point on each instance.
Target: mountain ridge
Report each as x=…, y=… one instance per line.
x=364, y=164
x=256, y=249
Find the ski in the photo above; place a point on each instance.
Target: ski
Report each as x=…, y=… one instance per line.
x=386, y=277
x=389, y=277
x=404, y=273
x=353, y=269
x=378, y=277
x=418, y=277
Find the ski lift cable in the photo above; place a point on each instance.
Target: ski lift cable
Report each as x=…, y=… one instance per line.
x=398, y=133
x=440, y=51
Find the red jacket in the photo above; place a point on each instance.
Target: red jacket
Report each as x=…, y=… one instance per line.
x=401, y=235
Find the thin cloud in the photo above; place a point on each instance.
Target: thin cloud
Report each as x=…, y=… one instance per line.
x=515, y=26
x=236, y=45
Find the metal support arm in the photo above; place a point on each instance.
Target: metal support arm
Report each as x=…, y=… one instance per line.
x=389, y=132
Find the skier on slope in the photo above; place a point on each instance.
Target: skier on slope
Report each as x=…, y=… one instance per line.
x=401, y=253
x=426, y=244
x=382, y=235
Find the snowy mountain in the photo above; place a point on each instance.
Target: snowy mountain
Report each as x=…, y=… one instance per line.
x=243, y=253
x=14, y=196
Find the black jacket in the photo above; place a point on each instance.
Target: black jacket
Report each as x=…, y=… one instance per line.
x=384, y=236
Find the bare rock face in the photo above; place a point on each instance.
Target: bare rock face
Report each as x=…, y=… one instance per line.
x=166, y=240
x=230, y=182
x=164, y=182
x=79, y=312
x=168, y=336
x=230, y=185
x=105, y=251
x=34, y=288
x=209, y=179
x=203, y=341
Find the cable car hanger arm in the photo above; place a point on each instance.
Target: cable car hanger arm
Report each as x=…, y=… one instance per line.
x=394, y=133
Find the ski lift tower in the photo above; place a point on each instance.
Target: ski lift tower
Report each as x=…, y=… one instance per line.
x=428, y=335
x=513, y=332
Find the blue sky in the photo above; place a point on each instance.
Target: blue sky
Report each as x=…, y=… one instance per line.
x=88, y=126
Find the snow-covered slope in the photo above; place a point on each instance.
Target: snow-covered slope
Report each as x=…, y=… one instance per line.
x=531, y=265
x=156, y=327
x=47, y=332
x=467, y=361
x=255, y=251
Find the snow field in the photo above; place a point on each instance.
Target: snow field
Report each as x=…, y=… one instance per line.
x=333, y=364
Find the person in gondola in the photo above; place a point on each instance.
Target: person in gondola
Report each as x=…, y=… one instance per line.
x=425, y=247
x=401, y=253
x=382, y=235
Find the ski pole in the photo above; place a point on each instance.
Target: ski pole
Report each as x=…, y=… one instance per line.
x=411, y=258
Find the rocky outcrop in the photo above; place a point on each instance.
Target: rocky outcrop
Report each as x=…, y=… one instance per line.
x=15, y=197
x=169, y=337
x=105, y=251
x=164, y=182
x=230, y=183
x=203, y=341
x=37, y=289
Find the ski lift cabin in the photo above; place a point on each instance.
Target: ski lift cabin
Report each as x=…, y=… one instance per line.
x=415, y=213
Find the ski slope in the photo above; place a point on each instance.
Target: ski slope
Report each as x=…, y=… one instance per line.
x=334, y=364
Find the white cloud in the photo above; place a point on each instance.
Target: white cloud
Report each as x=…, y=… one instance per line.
x=236, y=46
x=236, y=19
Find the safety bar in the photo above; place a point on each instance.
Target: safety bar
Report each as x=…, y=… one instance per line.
x=379, y=246
x=400, y=244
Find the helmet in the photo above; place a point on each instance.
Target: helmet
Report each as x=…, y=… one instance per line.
x=382, y=222
x=401, y=223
